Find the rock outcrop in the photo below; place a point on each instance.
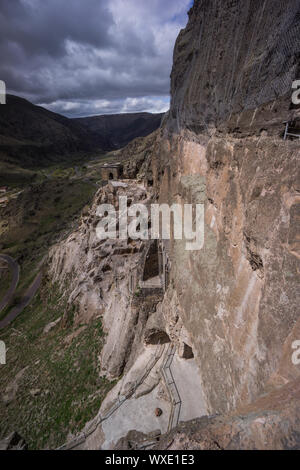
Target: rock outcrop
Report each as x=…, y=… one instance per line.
x=13, y=442
x=101, y=279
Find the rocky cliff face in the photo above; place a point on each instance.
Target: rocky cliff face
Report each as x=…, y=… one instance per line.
x=234, y=303
x=100, y=277
x=241, y=306
x=232, y=60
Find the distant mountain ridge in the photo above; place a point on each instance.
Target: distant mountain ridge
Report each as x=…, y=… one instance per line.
x=120, y=129
x=31, y=136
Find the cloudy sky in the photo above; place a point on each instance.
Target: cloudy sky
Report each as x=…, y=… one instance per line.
x=87, y=57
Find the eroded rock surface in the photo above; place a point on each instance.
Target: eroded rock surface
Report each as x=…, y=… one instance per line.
x=101, y=278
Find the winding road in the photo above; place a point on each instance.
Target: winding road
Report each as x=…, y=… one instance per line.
x=15, y=270
x=31, y=291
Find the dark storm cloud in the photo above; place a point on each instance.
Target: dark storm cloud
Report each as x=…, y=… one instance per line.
x=90, y=56
x=40, y=27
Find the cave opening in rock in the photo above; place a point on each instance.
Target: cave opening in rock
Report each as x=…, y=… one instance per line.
x=185, y=351
x=151, y=268
x=111, y=176
x=155, y=336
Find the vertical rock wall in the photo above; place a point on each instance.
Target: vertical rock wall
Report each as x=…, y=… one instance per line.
x=237, y=298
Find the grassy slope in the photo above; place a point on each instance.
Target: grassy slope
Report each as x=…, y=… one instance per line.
x=65, y=372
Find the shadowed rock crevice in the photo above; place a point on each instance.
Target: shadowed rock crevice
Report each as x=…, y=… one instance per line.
x=154, y=336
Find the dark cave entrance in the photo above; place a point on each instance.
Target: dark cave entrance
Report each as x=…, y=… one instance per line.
x=151, y=268
x=185, y=351
x=155, y=336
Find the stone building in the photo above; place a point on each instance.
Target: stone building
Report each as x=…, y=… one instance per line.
x=111, y=171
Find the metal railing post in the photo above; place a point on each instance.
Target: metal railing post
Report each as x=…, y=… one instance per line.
x=286, y=131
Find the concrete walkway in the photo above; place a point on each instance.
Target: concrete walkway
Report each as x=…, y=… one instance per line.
x=137, y=414
x=188, y=382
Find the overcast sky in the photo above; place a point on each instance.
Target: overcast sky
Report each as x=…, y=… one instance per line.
x=87, y=57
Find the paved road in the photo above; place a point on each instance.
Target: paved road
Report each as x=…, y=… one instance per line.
x=25, y=301
x=15, y=269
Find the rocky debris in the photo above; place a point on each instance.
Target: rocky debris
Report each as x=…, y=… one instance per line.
x=138, y=441
x=51, y=325
x=13, y=442
x=12, y=388
x=35, y=392
x=272, y=422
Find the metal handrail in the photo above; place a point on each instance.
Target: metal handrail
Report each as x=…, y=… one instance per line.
x=175, y=399
x=287, y=133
